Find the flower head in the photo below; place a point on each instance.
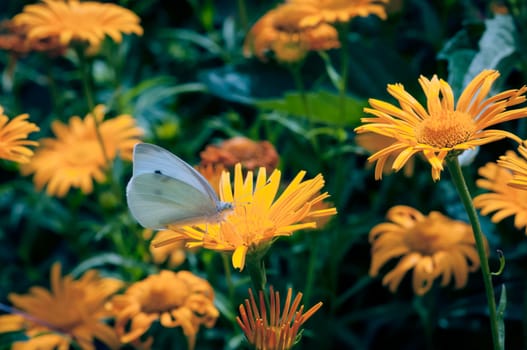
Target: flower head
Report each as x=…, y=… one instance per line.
x=517, y=165
x=250, y=154
x=434, y=246
x=174, y=299
x=331, y=11
x=75, y=157
x=13, y=137
x=257, y=219
x=71, y=312
x=504, y=200
x=279, y=31
x=73, y=20
x=272, y=329
x=442, y=128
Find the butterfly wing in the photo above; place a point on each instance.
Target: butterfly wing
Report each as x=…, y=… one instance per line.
x=157, y=200
x=149, y=159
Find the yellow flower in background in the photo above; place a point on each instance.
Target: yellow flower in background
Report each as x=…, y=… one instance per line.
x=13, y=138
x=502, y=199
x=331, y=11
x=257, y=219
x=75, y=157
x=174, y=299
x=270, y=328
x=517, y=165
x=70, y=313
x=279, y=31
x=372, y=143
x=443, y=127
x=73, y=20
x=434, y=246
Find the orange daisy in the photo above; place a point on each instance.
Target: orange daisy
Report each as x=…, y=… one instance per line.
x=13, y=138
x=434, y=246
x=443, y=127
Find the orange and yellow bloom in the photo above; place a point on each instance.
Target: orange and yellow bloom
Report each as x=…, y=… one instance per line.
x=443, y=127
x=13, y=138
x=257, y=219
x=331, y=11
x=273, y=329
x=71, y=312
x=74, y=20
x=517, y=165
x=434, y=246
x=279, y=31
x=503, y=199
x=174, y=299
x=75, y=158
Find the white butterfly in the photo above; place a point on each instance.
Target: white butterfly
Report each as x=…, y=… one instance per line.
x=164, y=190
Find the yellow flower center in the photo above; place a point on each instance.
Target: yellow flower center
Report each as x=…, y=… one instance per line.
x=435, y=233
x=445, y=130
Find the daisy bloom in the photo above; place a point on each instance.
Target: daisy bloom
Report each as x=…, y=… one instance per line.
x=503, y=199
x=518, y=166
x=70, y=313
x=174, y=299
x=13, y=138
x=372, y=143
x=331, y=11
x=257, y=218
x=442, y=128
x=435, y=246
x=73, y=20
x=75, y=157
x=251, y=154
x=279, y=31
x=273, y=329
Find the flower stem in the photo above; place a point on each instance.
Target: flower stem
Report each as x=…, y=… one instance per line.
x=242, y=12
x=344, y=66
x=256, y=269
x=228, y=276
x=462, y=189
x=86, y=86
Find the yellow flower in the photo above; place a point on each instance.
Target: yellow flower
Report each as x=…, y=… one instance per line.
x=503, y=199
x=374, y=142
x=331, y=11
x=272, y=329
x=72, y=20
x=279, y=31
x=441, y=128
x=13, y=137
x=71, y=312
x=517, y=165
x=174, y=299
x=432, y=245
x=256, y=220
x=75, y=157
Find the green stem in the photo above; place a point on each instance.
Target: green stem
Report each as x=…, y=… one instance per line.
x=242, y=12
x=228, y=277
x=310, y=279
x=462, y=189
x=344, y=67
x=88, y=93
x=256, y=268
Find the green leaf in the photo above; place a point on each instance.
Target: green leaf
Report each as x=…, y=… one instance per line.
x=500, y=315
x=496, y=47
x=322, y=106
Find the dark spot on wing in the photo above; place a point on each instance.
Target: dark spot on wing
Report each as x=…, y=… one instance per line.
x=158, y=172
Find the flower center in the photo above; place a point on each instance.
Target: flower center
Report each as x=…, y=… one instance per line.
x=435, y=233
x=445, y=130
